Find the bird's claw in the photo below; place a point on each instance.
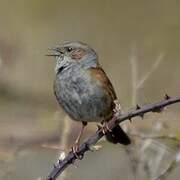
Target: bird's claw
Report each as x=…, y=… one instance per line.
x=75, y=149
x=105, y=128
x=95, y=148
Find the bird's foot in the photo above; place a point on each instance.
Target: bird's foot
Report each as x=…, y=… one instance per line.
x=105, y=128
x=75, y=150
x=94, y=148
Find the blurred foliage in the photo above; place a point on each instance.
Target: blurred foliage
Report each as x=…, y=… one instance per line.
x=118, y=30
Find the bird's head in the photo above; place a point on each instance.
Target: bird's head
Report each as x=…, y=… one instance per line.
x=73, y=53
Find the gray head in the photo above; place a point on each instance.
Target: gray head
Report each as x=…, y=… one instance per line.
x=74, y=53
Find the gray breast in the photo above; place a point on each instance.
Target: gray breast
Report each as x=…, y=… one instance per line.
x=81, y=96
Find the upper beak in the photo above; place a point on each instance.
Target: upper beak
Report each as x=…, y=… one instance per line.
x=55, y=51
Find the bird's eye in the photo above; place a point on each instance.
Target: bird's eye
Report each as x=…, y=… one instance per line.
x=69, y=49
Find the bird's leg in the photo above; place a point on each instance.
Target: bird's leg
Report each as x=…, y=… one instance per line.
x=117, y=110
x=76, y=145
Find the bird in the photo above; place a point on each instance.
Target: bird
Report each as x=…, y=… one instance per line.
x=83, y=89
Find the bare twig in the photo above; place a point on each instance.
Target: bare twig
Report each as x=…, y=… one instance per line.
x=166, y=172
x=148, y=74
x=61, y=165
x=0, y=62
x=134, y=75
x=157, y=137
x=176, y=161
x=137, y=82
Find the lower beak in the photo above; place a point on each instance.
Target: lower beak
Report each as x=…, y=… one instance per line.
x=54, y=55
x=56, y=52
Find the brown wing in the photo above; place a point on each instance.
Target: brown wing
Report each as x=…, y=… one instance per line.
x=99, y=74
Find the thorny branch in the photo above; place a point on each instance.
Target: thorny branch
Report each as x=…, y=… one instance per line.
x=61, y=165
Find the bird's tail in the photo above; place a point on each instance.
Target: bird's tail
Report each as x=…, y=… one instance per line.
x=118, y=136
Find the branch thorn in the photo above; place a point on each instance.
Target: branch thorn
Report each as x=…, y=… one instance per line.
x=138, y=107
x=142, y=115
x=130, y=120
x=59, y=161
x=166, y=97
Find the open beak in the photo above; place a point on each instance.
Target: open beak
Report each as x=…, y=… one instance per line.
x=55, y=52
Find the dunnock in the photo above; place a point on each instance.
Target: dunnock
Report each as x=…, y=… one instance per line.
x=83, y=89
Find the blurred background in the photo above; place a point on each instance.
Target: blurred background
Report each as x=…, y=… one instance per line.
x=138, y=46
